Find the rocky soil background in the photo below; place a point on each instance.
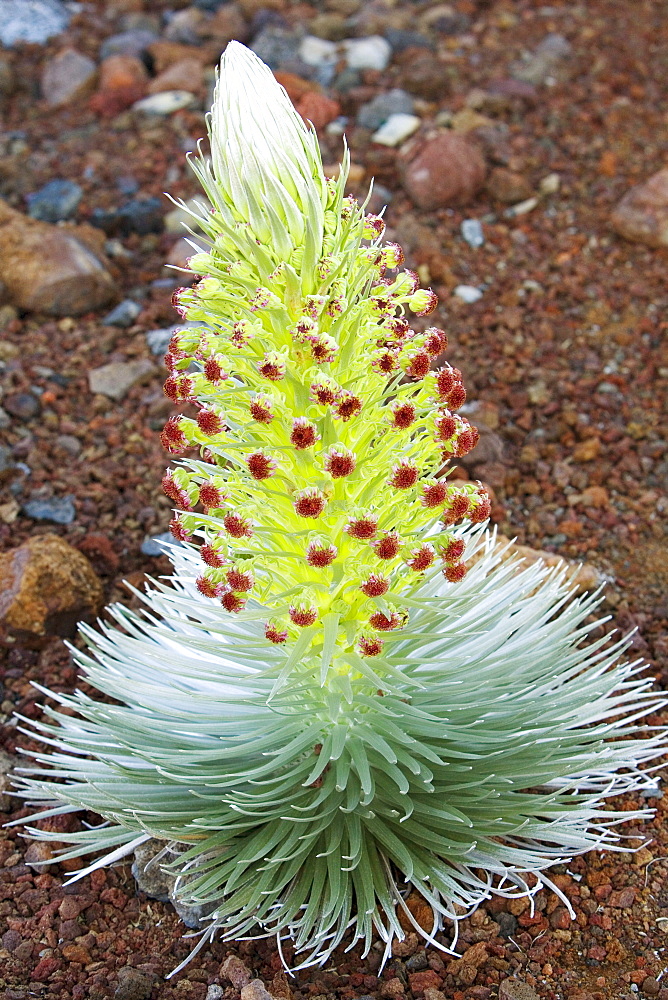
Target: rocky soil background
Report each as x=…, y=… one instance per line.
x=521, y=149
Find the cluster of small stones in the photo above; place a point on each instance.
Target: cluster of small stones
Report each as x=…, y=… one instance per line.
x=321, y=429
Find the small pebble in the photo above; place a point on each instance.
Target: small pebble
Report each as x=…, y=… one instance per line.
x=214, y=992
x=278, y=46
x=550, y=184
x=396, y=129
x=142, y=215
x=472, y=232
x=58, y=510
x=373, y=52
x=165, y=103
x=468, y=293
x=123, y=315
x=57, y=200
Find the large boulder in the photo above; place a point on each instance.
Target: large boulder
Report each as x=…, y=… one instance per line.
x=50, y=269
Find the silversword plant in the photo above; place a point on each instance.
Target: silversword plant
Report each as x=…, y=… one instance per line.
x=323, y=711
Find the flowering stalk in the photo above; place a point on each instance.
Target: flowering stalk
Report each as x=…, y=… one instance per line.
x=324, y=708
x=321, y=426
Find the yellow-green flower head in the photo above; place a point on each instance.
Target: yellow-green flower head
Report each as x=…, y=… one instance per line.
x=322, y=428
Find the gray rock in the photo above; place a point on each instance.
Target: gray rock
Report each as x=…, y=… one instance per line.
x=117, y=378
x=127, y=43
x=515, y=989
x=23, y=405
x=214, y=992
x=68, y=76
x=400, y=39
x=58, y=510
x=148, y=874
x=141, y=215
x=133, y=984
x=6, y=764
x=472, y=232
x=56, y=201
x=277, y=47
x=191, y=914
x=158, y=340
x=546, y=63
x=153, y=545
x=4, y=420
x=123, y=315
x=373, y=114
x=31, y=21
x=507, y=924
x=69, y=443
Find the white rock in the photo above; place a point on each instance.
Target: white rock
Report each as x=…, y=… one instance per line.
x=165, y=103
x=550, y=184
x=521, y=208
x=31, y=21
x=316, y=51
x=397, y=128
x=472, y=232
x=468, y=293
x=372, y=52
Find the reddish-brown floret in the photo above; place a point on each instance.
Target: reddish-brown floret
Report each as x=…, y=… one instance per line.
x=237, y=526
x=339, y=464
x=213, y=370
x=210, y=496
x=175, y=492
x=385, y=623
x=437, y=341
x=323, y=394
x=362, y=528
x=455, y=573
x=240, y=580
x=467, y=441
x=419, y=365
x=482, y=510
x=459, y=507
x=385, y=363
x=453, y=550
x=446, y=380
x=310, y=503
x=421, y=559
x=347, y=406
x=207, y=587
x=178, y=530
x=321, y=555
x=434, y=495
x=232, y=602
x=403, y=416
x=304, y=434
x=172, y=437
x=302, y=616
x=209, y=422
x=404, y=475
x=446, y=427
x=211, y=557
x=260, y=465
x=456, y=398
x=375, y=585
x=388, y=546
x=369, y=646
x=272, y=370
x=275, y=634
x=261, y=411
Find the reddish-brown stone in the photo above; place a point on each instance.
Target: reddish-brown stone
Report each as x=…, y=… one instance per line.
x=445, y=170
